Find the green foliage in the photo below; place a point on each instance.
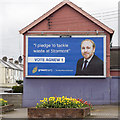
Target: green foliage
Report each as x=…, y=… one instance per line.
x=3, y=102
x=17, y=89
x=19, y=81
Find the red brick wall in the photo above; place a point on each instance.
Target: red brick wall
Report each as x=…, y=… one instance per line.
x=108, y=55
x=24, y=55
x=67, y=19
x=115, y=72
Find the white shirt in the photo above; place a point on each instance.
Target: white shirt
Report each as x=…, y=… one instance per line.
x=87, y=62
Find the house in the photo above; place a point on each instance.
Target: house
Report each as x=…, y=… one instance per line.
x=4, y=73
x=18, y=70
x=9, y=72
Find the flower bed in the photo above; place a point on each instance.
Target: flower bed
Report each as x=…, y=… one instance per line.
x=3, y=102
x=58, y=112
x=60, y=107
x=4, y=107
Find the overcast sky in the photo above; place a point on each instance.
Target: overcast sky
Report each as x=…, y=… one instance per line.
x=16, y=14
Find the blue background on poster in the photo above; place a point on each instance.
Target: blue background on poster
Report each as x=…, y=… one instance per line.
x=72, y=45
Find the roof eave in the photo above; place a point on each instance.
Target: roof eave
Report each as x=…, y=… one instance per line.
x=43, y=17
x=91, y=18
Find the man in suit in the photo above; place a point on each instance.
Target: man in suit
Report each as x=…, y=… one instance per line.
x=90, y=64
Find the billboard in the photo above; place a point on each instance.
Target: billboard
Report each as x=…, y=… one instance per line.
x=75, y=56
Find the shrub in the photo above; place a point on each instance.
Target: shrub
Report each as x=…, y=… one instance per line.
x=17, y=89
x=62, y=102
x=3, y=102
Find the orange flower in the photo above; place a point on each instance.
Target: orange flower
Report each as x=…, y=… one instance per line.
x=81, y=100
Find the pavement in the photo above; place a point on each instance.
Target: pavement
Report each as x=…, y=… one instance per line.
x=99, y=111
x=105, y=111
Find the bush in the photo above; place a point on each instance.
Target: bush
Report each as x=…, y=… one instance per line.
x=17, y=89
x=19, y=81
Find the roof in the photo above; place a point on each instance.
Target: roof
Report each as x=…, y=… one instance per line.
x=11, y=65
x=17, y=66
x=5, y=65
x=115, y=48
x=75, y=8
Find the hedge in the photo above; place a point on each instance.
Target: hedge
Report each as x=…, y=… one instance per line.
x=17, y=89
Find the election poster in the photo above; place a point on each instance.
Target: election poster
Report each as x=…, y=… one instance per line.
x=66, y=56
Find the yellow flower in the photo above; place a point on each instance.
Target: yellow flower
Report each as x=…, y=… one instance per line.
x=41, y=100
x=5, y=101
x=59, y=98
x=45, y=99
x=51, y=98
x=63, y=97
x=37, y=104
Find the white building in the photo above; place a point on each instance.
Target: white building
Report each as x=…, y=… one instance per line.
x=9, y=72
x=4, y=73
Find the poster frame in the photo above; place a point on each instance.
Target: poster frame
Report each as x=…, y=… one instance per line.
x=48, y=36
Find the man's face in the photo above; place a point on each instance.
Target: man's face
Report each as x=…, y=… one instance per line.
x=87, y=49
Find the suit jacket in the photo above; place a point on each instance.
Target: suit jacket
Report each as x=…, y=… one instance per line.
x=95, y=67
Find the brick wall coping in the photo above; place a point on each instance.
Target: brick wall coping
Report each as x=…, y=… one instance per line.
x=11, y=93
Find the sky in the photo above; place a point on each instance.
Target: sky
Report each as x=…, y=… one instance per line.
x=17, y=14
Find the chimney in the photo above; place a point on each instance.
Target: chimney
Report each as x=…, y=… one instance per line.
x=16, y=62
x=4, y=58
x=11, y=60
